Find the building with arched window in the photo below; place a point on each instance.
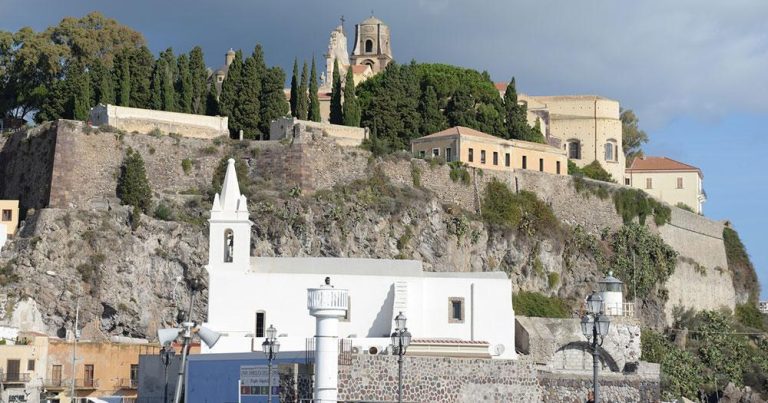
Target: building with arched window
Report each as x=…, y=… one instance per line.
x=372, y=45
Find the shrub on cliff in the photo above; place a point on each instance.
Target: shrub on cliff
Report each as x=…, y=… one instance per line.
x=634, y=203
x=538, y=305
x=244, y=181
x=523, y=211
x=642, y=260
x=132, y=185
x=744, y=277
x=681, y=372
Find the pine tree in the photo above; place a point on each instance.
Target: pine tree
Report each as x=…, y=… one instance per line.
x=123, y=75
x=132, y=185
x=337, y=114
x=230, y=90
x=142, y=66
x=198, y=79
x=351, y=105
x=314, y=103
x=184, y=85
x=272, y=98
x=247, y=109
x=302, y=104
x=294, y=87
x=461, y=108
x=432, y=119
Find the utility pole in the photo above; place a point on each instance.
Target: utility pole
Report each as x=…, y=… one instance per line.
x=74, y=351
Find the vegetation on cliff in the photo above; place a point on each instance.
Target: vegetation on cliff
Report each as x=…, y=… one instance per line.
x=744, y=275
x=132, y=185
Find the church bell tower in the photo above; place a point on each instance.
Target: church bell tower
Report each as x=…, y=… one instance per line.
x=372, y=45
x=229, y=241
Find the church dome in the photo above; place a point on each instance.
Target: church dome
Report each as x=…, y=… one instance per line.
x=372, y=21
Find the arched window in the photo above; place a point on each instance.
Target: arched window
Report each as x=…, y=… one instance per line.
x=611, y=150
x=229, y=243
x=368, y=46
x=574, y=149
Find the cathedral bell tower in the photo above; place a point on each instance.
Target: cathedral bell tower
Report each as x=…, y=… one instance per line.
x=229, y=241
x=372, y=45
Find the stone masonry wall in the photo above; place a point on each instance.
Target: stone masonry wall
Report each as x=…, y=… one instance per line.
x=432, y=379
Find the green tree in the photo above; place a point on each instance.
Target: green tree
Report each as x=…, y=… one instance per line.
x=432, y=119
x=102, y=83
x=632, y=138
x=294, y=87
x=211, y=102
x=142, y=65
x=337, y=114
x=461, y=108
x=313, y=113
x=230, y=92
x=156, y=88
x=302, y=104
x=184, y=85
x=132, y=185
x=351, y=105
x=198, y=80
x=168, y=77
x=516, y=118
x=79, y=90
x=123, y=77
x=272, y=98
x=247, y=109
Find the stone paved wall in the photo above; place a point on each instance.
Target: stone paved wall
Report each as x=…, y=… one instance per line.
x=433, y=379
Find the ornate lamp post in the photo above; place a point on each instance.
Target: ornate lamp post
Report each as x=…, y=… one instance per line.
x=401, y=338
x=594, y=326
x=270, y=347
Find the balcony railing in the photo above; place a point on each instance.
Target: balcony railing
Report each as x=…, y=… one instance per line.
x=86, y=383
x=56, y=383
x=128, y=383
x=16, y=377
x=327, y=298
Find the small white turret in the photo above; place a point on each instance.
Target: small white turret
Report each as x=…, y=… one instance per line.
x=327, y=304
x=612, y=292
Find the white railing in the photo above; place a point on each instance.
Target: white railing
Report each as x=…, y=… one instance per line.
x=327, y=298
x=626, y=309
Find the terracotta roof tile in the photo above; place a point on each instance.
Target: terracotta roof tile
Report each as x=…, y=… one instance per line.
x=463, y=131
x=359, y=68
x=660, y=164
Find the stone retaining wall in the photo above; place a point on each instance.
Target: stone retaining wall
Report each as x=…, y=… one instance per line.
x=146, y=120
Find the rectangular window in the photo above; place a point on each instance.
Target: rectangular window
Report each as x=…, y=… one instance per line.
x=679, y=183
x=448, y=156
x=455, y=310
x=558, y=167
x=471, y=155
x=88, y=378
x=56, y=375
x=482, y=156
x=507, y=160
x=541, y=164
x=260, y=320
x=435, y=152
x=525, y=162
x=495, y=158
x=7, y=215
x=134, y=375
x=649, y=183
x=30, y=365
x=627, y=181
x=422, y=154
x=14, y=367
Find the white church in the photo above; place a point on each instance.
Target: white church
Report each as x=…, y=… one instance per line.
x=449, y=313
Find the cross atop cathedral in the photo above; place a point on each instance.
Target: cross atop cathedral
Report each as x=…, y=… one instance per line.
x=342, y=23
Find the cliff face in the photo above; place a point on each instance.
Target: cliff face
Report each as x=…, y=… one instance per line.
x=309, y=198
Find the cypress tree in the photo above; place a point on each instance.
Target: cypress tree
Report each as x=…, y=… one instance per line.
x=337, y=115
x=230, y=89
x=247, y=109
x=168, y=78
x=123, y=75
x=102, y=84
x=351, y=105
x=199, y=80
x=314, y=103
x=516, y=119
x=142, y=66
x=211, y=103
x=294, y=87
x=302, y=103
x=461, y=108
x=132, y=185
x=432, y=120
x=184, y=85
x=272, y=98
x=79, y=87
x=156, y=86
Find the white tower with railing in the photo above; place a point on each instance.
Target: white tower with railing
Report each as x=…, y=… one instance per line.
x=327, y=304
x=612, y=292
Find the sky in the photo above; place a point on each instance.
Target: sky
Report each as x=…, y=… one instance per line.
x=694, y=71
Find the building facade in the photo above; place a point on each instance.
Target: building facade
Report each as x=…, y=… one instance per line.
x=668, y=180
x=463, y=307
x=482, y=150
x=372, y=45
x=9, y=216
x=22, y=368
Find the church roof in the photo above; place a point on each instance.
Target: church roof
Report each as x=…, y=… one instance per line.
x=360, y=68
x=371, y=21
x=646, y=164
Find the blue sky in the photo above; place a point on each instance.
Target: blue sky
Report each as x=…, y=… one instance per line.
x=694, y=71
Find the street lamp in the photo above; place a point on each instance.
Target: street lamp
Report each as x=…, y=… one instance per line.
x=401, y=338
x=594, y=326
x=270, y=347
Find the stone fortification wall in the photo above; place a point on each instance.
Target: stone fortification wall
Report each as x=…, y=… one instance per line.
x=26, y=165
x=146, y=120
x=431, y=379
x=289, y=127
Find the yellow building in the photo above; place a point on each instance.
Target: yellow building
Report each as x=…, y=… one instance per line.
x=482, y=150
x=9, y=215
x=102, y=369
x=668, y=180
x=23, y=368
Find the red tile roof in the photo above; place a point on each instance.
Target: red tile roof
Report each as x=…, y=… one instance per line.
x=501, y=86
x=462, y=131
x=359, y=68
x=660, y=164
